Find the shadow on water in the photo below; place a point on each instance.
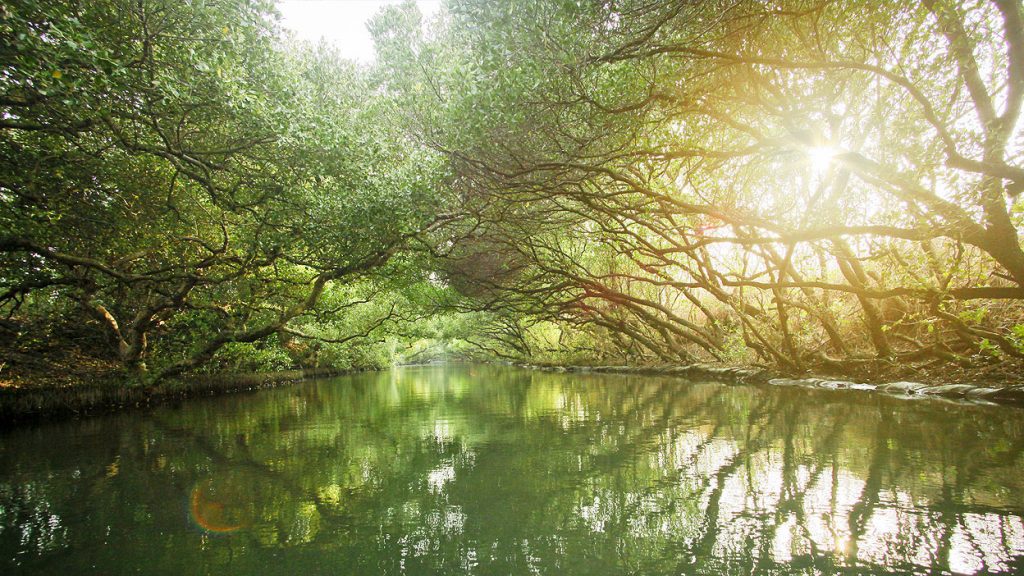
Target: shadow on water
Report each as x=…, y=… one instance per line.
x=483, y=470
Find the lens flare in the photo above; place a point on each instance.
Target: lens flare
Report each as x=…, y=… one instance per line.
x=209, y=511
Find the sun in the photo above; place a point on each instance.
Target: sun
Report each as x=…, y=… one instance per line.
x=820, y=157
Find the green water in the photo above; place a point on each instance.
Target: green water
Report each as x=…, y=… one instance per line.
x=481, y=470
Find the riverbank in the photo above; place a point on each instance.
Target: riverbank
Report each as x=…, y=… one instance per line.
x=1004, y=392
x=68, y=399
x=43, y=402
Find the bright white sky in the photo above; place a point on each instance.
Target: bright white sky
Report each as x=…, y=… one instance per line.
x=341, y=22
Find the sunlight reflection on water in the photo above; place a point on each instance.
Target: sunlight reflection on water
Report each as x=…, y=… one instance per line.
x=484, y=470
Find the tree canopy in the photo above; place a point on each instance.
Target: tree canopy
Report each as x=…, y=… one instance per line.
x=806, y=185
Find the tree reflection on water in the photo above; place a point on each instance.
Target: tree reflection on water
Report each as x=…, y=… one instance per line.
x=500, y=471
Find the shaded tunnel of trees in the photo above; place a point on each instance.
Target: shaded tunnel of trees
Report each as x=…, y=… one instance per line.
x=807, y=185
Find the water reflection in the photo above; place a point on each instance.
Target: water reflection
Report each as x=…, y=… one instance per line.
x=476, y=470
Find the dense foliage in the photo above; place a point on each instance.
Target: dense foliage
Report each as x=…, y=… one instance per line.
x=178, y=183
x=808, y=185
x=803, y=184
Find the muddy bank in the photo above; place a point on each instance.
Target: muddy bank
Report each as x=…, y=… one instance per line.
x=44, y=402
x=1010, y=395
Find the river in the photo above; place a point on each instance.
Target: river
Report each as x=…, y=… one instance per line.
x=469, y=469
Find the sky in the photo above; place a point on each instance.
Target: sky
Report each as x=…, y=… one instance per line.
x=340, y=22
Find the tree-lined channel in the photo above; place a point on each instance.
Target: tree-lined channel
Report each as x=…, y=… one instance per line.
x=473, y=469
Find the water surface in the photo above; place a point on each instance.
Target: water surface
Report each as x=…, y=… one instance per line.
x=482, y=470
